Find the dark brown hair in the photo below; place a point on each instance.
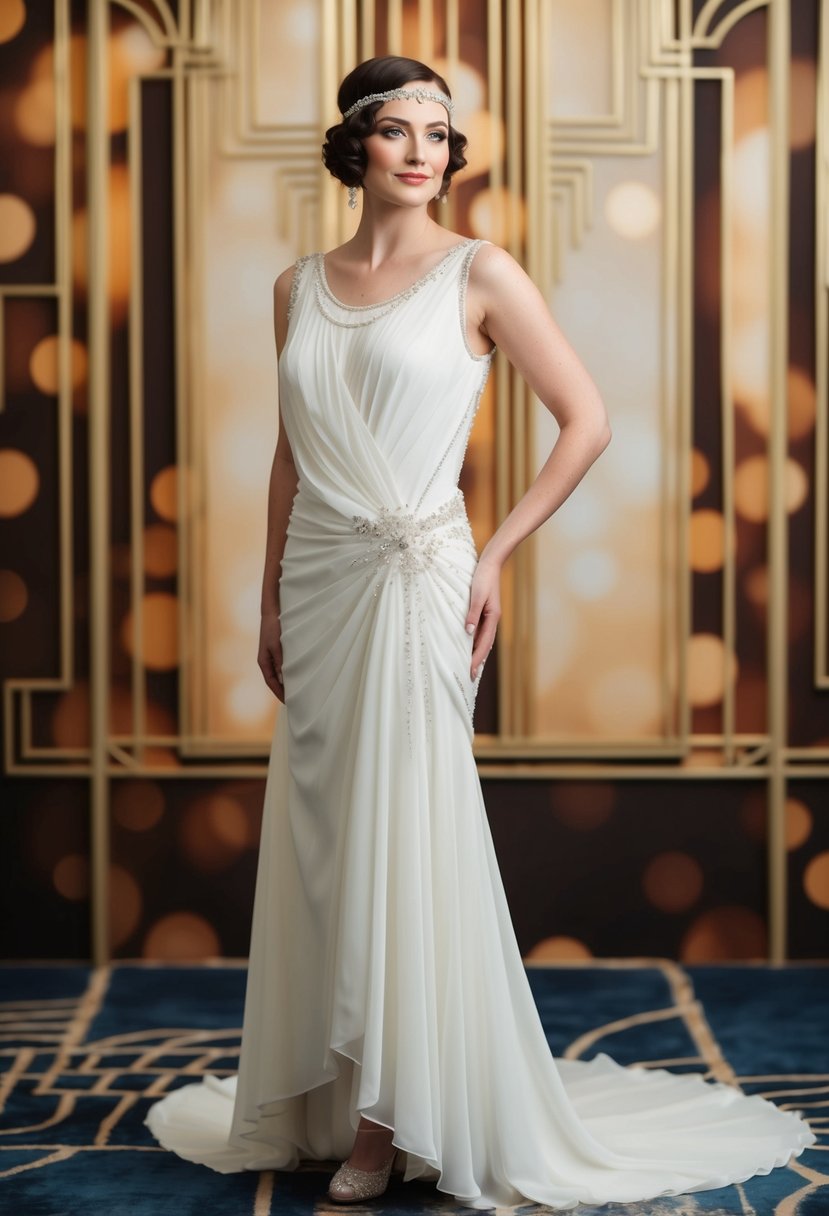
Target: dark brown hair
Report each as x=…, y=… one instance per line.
x=343, y=153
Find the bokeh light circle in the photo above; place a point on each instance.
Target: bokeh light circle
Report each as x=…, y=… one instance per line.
x=752, y=159
x=70, y=877
x=708, y=667
x=816, y=880
x=495, y=213
x=137, y=805
x=565, y=948
x=707, y=541
x=17, y=227
x=34, y=113
x=802, y=403
x=582, y=806
x=756, y=583
x=181, y=935
x=14, y=596
x=160, y=641
x=119, y=245
x=724, y=934
x=213, y=831
x=751, y=487
x=700, y=472
x=43, y=364
x=803, y=104
x=19, y=482
x=12, y=19
x=672, y=881
x=633, y=210
x=164, y=490
x=625, y=699
x=160, y=551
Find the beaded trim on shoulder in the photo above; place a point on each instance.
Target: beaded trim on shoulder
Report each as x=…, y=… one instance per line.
x=299, y=266
x=465, y=267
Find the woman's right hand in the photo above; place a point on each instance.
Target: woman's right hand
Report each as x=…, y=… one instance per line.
x=270, y=653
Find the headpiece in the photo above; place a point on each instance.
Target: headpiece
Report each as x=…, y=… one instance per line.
x=420, y=94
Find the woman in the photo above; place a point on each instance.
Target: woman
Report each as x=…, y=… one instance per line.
x=388, y=1014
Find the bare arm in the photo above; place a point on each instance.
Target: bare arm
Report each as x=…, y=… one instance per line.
x=281, y=492
x=510, y=309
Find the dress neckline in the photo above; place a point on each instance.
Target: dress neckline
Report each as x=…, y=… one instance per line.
x=406, y=291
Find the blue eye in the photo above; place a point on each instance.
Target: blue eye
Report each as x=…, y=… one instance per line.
x=387, y=131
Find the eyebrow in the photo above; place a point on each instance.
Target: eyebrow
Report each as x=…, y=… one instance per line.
x=405, y=123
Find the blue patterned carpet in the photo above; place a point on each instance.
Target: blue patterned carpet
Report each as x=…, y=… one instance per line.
x=85, y=1051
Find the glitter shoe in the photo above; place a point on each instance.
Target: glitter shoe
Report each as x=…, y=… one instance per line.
x=350, y=1185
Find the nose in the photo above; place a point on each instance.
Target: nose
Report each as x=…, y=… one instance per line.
x=415, y=154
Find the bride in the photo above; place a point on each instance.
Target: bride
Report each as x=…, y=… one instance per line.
x=388, y=1016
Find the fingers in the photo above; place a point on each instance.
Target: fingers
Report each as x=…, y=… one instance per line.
x=271, y=667
x=482, y=619
x=483, y=642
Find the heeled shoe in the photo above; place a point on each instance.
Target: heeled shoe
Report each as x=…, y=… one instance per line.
x=350, y=1185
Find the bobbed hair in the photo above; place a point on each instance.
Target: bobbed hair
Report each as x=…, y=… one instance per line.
x=343, y=153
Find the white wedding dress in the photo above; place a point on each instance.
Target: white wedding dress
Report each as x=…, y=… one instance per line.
x=385, y=977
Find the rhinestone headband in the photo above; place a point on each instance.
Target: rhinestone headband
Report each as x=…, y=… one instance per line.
x=420, y=94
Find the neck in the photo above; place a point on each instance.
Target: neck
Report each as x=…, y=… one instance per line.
x=387, y=232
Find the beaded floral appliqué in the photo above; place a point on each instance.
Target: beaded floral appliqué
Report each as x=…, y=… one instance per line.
x=405, y=539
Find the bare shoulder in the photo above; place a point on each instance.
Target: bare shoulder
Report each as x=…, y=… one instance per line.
x=282, y=285
x=493, y=268
x=281, y=299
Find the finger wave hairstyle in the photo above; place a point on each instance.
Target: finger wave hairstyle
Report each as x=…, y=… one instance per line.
x=343, y=153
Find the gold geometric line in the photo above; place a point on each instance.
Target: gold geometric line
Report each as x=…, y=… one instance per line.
x=135, y=152
x=97, y=145
x=697, y=1023
x=62, y=1153
x=181, y=308
x=777, y=640
x=576, y=1048
x=64, y=1108
x=821, y=282
x=264, y=1193
x=684, y=370
x=704, y=38
x=672, y=667
x=165, y=37
x=727, y=408
x=111, y=1120
x=20, y=1066
x=616, y=116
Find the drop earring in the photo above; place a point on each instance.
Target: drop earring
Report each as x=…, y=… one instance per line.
x=352, y=197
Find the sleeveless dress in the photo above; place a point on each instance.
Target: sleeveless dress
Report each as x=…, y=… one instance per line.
x=385, y=977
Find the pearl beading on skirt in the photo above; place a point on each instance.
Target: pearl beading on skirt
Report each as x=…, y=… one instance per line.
x=401, y=541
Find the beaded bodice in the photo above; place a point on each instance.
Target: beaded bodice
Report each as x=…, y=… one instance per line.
x=378, y=399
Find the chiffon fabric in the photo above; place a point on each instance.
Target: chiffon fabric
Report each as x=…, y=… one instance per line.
x=385, y=978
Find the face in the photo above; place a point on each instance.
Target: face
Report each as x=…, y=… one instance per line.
x=410, y=137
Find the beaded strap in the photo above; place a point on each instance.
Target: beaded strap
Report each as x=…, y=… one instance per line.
x=299, y=266
x=465, y=268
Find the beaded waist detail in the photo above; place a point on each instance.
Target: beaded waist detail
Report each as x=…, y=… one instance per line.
x=408, y=541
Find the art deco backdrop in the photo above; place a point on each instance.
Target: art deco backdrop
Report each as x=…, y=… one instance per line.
x=653, y=730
